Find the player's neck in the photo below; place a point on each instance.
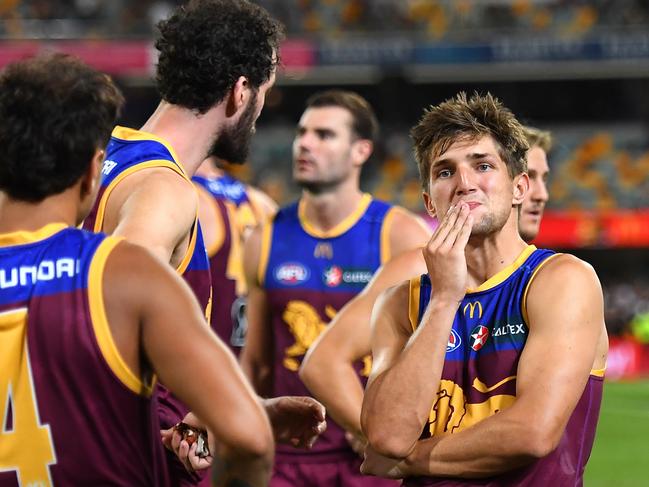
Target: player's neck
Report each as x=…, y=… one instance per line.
x=189, y=134
x=18, y=215
x=487, y=256
x=326, y=210
x=208, y=170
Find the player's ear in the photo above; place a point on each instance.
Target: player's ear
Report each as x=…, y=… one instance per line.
x=428, y=203
x=361, y=151
x=521, y=188
x=90, y=179
x=238, y=97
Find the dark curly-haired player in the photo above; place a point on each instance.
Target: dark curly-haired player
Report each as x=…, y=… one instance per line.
x=217, y=61
x=86, y=319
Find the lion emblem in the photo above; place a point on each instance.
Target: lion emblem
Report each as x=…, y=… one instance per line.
x=305, y=325
x=452, y=412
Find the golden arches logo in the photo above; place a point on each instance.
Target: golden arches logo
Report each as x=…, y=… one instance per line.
x=472, y=307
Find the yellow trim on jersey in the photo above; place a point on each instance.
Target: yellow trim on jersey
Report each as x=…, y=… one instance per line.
x=414, y=297
x=598, y=372
x=527, y=287
x=191, y=246
x=100, y=325
x=126, y=133
x=502, y=275
x=24, y=237
x=101, y=208
x=264, y=251
x=348, y=222
x=218, y=220
x=386, y=227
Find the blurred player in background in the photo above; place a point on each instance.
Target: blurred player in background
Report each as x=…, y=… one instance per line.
x=497, y=354
x=228, y=211
x=328, y=368
x=86, y=319
x=217, y=61
x=313, y=257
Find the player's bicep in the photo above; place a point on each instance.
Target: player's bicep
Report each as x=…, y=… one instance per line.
x=389, y=329
x=565, y=315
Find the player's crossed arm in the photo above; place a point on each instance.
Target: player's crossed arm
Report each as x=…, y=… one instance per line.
x=567, y=339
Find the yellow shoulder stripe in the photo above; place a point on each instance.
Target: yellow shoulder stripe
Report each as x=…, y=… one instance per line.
x=527, y=288
x=264, y=251
x=386, y=228
x=103, y=201
x=414, y=297
x=100, y=322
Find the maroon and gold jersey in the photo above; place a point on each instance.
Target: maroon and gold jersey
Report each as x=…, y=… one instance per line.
x=235, y=215
x=130, y=151
x=73, y=412
x=308, y=276
x=478, y=379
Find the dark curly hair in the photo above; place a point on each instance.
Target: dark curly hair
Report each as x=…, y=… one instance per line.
x=55, y=112
x=469, y=118
x=206, y=45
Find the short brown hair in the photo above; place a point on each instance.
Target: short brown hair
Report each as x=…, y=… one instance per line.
x=461, y=118
x=538, y=138
x=364, y=123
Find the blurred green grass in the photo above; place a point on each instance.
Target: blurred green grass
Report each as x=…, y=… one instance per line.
x=620, y=457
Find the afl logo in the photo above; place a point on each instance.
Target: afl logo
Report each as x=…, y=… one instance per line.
x=479, y=337
x=454, y=341
x=333, y=276
x=291, y=273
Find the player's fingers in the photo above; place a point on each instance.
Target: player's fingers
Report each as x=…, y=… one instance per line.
x=319, y=411
x=465, y=232
x=183, y=452
x=451, y=236
x=166, y=437
x=176, y=438
x=192, y=458
x=439, y=235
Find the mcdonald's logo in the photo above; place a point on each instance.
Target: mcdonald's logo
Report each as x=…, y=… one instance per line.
x=472, y=307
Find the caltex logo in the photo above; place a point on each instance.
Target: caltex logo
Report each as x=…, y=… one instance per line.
x=479, y=337
x=454, y=341
x=333, y=276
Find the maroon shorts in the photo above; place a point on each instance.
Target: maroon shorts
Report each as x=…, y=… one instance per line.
x=343, y=473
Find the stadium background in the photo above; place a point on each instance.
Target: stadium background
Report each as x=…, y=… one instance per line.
x=578, y=68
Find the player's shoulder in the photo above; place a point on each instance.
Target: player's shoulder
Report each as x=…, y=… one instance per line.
x=266, y=206
x=563, y=272
x=397, y=296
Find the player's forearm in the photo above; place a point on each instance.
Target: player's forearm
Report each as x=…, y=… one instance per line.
x=231, y=470
x=397, y=403
x=491, y=447
x=341, y=392
x=259, y=375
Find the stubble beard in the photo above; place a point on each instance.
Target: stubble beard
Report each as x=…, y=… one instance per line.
x=233, y=143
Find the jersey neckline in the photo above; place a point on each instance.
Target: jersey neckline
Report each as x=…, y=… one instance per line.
x=22, y=237
x=502, y=275
x=128, y=134
x=348, y=222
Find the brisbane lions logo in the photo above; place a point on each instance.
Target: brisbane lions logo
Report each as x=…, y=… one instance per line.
x=305, y=325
